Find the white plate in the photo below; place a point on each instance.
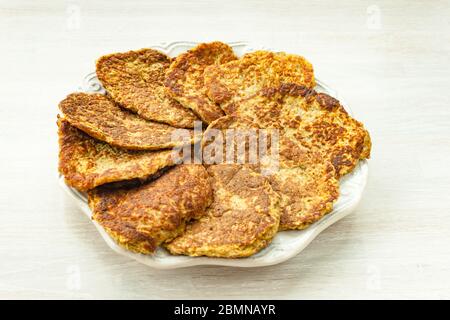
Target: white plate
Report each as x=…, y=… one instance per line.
x=285, y=245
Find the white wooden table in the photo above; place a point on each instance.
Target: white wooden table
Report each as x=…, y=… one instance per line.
x=390, y=60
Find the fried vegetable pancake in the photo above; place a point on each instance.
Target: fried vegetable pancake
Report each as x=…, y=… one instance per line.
x=307, y=186
x=184, y=79
x=101, y=118
x=135, y=80
x=305, y=181
x=242, y=219
x=141, y=218
x=229, y=83
x=87, y=163
x=314, y=120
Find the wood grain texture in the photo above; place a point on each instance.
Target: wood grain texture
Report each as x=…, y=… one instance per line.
x=392, y=69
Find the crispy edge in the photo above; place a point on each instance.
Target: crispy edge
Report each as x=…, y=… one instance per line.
x=126, y=235
x=359, y=134
x=195, y=61
x=103, y=64
x=326, y=102
x=217, y=76
x=70, y=138
x=66, y=108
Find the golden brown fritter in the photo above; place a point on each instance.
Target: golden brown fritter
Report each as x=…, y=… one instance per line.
x=229, y=83
x=87, y=163
x=242, y=219
x=135, y=80
x=314, y=120
x=305, y=181
x=141, y=218
x=101, y=118
x=184, y=78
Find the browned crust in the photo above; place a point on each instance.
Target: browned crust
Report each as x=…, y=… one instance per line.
x=325, y=101
x=304, y=179
x=241, y=221
x=135, y=80
x=101, y=118
x=238, y=210
x=307, y=185
x=231, y=82
x=184, y=78
x=141, y=218
x=87, y=163
x=315, y=120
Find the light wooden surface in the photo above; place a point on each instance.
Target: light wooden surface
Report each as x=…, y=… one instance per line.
x=389, y=59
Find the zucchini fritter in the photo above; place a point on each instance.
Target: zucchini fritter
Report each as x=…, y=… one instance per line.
x=314, y=120
x=229, y=83
x=184, y=78
x=141, y=218
x=135, y=80
x=101, y=118
x=304, y=180
x=306, y=183
x=242, y=219
x=87, y=163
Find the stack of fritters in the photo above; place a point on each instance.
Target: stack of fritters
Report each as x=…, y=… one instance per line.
x=119, y=149
x=135, y=80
